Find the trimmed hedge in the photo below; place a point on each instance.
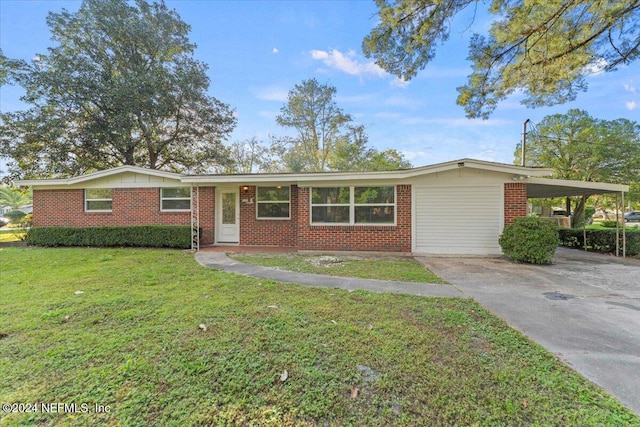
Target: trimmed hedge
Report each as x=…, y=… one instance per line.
x=530, y=239
x=600, y=240
x=151, y=236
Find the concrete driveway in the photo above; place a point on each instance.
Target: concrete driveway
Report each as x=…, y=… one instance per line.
x=585, y=308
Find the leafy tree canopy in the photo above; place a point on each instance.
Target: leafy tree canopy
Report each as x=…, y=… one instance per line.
x=580, y=147
x=252, y=156
x=14, y=198
x=544, y=49
x=120, y=87
x=327, y=138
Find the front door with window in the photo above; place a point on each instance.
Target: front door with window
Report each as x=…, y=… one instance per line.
x=227, y=216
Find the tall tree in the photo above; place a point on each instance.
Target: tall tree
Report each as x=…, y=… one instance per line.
x=327, y=138
x=312, y=111
x=250, y=156
x=121, y=87
x=543, y=48
x=353, y=154
x=580, y=147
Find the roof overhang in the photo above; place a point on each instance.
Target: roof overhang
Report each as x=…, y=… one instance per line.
x=61, y=182
x=303, y=178
x=539, y=188
x=319, y=177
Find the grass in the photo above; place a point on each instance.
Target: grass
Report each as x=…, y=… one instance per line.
x=405, y=270
x=597, y=225
x=131, y=341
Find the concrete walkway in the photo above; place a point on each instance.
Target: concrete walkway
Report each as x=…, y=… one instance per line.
x=221, y=261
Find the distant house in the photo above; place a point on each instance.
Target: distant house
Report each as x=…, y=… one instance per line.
x=26, y=209
x=457, y=207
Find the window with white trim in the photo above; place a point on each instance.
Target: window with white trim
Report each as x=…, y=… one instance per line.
x=353, y=205
x=374, y=205
x=98, y=200
x=175, y=199
x=273, y=202
x=330, y=205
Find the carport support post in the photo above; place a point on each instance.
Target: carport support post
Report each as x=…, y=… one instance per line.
x=624, y=229
x=584, y=231
x=617, y=227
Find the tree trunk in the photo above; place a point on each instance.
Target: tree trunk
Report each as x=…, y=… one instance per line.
x=578, y=214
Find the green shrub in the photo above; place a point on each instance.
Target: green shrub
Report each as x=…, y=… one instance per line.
x=15, y=216
x=589, y=212
x=155, y=236
x=531, y=240
x=609, y=223
x=600, y=240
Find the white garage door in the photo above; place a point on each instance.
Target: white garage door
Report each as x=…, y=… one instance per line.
x=455, y=220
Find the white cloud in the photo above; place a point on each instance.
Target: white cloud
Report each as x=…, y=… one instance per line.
x=398, y=82
x=630, y=88
x=272, y=93
x=275, y=50
x=632, y=105
x=347, y=63
x=596, y=67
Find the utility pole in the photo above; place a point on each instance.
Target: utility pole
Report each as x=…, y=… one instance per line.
x=524, y=141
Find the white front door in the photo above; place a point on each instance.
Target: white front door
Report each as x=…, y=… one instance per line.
x=227, y=216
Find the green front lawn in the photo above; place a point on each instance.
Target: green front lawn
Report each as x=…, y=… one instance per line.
x=161, y=340
x=405, y=270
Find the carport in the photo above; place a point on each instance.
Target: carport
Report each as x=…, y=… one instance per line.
x=541, y=188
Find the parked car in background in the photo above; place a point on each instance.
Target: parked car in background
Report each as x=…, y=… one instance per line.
x=632, y=216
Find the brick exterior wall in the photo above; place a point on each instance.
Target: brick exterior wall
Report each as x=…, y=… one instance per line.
x=266, y=232
x=141, y=206
x=515, y=201
x=207, y=218
x=130, y=207
x=387, y=238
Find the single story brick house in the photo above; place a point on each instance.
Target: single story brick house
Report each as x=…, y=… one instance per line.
x=457, y=207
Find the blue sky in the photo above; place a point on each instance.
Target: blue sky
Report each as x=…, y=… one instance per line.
x=258, y=50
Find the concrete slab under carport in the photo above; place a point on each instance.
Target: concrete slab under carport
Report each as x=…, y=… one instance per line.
x=585, y=308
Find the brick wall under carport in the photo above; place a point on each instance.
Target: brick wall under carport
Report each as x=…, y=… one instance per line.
x=515, y=201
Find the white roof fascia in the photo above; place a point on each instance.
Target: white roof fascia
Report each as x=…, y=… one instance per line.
x=481, y=165
x=320, y=177
x=313, y=178
x=292, y=178
x=604, y=186
x=61, y=182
